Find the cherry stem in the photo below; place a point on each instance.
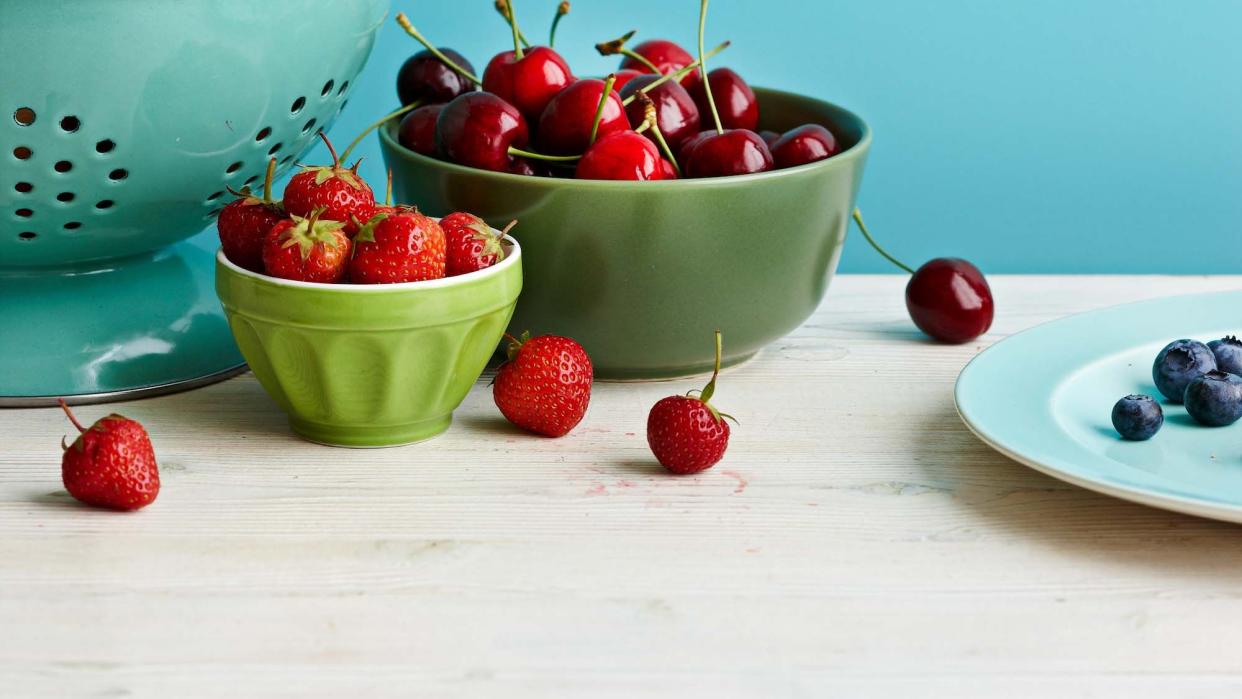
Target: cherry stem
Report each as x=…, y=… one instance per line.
x=358, y=139
x=668, y=152
x=267, y=181
x=883, y=253
x=652, y=120
x=409, y=29
x=677, y=75
x=65, y=406
x=540, y=156
x=707, y=84
x=603, y=102
x=561, y=11
x=706, y=394
x=502, y=6
x=517, y=33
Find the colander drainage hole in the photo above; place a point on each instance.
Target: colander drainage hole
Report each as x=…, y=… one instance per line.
x=105, y=146
x=24, y=116
x=27, y=235
x=214, y=196
x=327, y=87
x=105, y=204
x=65, y=197
x=250, y=180
x=22, y=153
x=344, y=87
x=263, y=134
x=233, y=168
x=297, y=105
x=118, y=174
x=70, y=124
x=286, y=160
x=275, y=149
x=24, y=187
x=309, y=125
x=62, y=166
x=24, y=213
x=73, y=226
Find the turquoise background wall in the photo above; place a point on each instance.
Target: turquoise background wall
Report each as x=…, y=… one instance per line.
x=1037, y=136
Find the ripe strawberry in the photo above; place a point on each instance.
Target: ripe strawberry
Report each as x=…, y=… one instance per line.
x=339, y=191
x=244, y=223
x=398, y=246
x=111, y=464
x=546, y=384
x=307, y=249
x=686, y=433
x=472, y=244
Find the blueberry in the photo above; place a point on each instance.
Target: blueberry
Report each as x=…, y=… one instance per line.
x=1137, y=417
x=1215, y=399
x=1179, y=363
x=1228, y=351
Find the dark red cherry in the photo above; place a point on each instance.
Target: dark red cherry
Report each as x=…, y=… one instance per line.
x=668, y=171
x=769, y=137
x=477, y=129
x=565, y=125
x=665, y=55
x=418, y=129
x=734, y=152
x=624, y=77
x=803, y=145
x=676, y=113
x=530, y=82
x=734, y=99
x=687, y=146
x=426, y=79
x=949, y=299
x=528, y=167
x=621, y=155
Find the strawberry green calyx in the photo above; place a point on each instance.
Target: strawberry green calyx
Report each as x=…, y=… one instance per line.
x=515, y=344
x=324, y=173
x=307, y=232
x=366, y=232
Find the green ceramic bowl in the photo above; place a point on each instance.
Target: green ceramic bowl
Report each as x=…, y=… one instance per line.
x=369, y=365
x=642, y=273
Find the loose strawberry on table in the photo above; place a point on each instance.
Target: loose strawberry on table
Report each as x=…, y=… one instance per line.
x=399, y=245
x=111, y=464
x=686, y=433
x=545, y=386
x=244, y=224
x=307, y=249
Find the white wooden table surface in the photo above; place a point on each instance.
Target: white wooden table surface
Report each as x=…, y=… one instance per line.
x=856, y=541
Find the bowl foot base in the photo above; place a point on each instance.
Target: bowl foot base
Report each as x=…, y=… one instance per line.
x=128, y=329
x=370, y=436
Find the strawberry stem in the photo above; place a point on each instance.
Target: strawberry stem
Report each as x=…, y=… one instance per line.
x=676, y=75
x=707, y=85
x=706, y=394
x=384, y=120
x=267, y=181
x=603, y=102
x=336, y=162
x=65, y=406
x=409, y=29
x=561, y=11
x=505, y=231
x=883, y=253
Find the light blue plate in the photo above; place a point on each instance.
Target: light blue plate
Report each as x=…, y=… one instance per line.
x=1044, y=397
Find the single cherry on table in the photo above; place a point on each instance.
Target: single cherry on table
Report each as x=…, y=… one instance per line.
x=948, y=298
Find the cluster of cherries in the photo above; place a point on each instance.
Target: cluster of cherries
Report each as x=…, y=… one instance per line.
x=530, y=115
x=328, y=228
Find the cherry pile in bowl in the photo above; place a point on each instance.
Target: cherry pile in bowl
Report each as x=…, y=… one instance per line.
x=329, y=229
x=662, y=114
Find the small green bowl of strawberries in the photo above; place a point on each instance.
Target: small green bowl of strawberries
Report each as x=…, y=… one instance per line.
x=363, y=358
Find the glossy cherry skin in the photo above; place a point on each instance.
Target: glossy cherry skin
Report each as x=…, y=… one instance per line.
x=529, y=83
x=805, y=144
x=734, y=100
x=565, y=126
x=476, y=129
x=424, y=78
x=624, y=76
x=665, y=55
x=949, y=299
x=621, y=155
x=769, y=137
x=676, y=113
x=667, y=171
x=734, y=152
x=528, y=167
x=418, y=129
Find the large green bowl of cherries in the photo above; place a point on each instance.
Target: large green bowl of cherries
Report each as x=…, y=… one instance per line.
x=654, y=206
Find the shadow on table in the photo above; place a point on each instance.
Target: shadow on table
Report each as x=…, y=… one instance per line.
x=1011, y=499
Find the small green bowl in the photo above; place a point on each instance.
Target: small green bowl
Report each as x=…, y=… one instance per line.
x=642, y=273
x=369, y=365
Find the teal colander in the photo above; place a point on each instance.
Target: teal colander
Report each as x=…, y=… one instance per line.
x=122, y=125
